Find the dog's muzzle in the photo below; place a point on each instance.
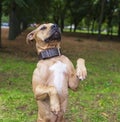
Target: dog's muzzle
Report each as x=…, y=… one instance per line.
x=55, y=34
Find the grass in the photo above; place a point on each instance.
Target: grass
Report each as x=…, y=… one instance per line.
x=90, y=32
x=16, y=97
x=97, y=98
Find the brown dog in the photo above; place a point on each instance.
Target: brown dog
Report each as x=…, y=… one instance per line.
x=54, y=74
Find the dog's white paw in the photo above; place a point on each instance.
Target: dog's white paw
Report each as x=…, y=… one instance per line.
x=81, y=71
x=55, y=108
x=81, y=74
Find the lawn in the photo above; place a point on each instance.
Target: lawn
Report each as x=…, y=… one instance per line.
x=97, y=98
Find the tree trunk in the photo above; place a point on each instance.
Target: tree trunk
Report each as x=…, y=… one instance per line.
x=24, y=25
x=119, y=29
x=0, y=23
x=56, y=19
x=119, y=24
x=109, y=28
x=62, y=23
x=88, y=28
x=75, y=26
x=14, y=29
x=100, y=20
x=93, y=23
x=71, y=26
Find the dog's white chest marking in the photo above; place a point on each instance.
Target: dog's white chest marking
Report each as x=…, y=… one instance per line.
x=58, y=69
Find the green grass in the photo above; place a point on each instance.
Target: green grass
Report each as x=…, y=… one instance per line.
x=97, y=98
x=90, y=32
x=17, y=102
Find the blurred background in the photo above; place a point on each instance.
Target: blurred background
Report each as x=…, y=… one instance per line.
x=91, y=16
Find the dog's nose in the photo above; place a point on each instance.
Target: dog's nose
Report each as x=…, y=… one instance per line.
x=54, y=26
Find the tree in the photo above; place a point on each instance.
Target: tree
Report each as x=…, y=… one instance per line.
x=14, y=22
x=14, y=8
x=92, y=12
x=118, y=11
x=0, y=23
x=101, y=19
x=22, y=12
x=119, y=23
x=109, y=11
x=59, y=8
x=40, y=10
x=78, y=10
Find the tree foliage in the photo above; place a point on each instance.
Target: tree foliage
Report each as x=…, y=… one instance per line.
x=23, y=12
x=0, y=23
x=93, y=14
x=78, y=10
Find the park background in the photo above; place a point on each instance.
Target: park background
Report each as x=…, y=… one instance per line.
x=90, y=29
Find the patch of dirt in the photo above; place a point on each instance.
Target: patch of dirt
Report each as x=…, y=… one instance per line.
x=17, y=47
x=71, y=43
x=22, y=108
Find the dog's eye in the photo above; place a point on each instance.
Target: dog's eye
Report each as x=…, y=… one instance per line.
x=43, y=28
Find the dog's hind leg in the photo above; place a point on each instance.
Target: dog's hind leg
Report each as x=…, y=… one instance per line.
x=42, y=92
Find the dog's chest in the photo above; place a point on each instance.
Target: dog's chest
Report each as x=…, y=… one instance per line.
x=59, y=69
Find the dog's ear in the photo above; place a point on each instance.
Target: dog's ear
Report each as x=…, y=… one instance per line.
x=30, y=37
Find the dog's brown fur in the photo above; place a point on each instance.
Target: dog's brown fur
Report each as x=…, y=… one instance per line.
x=52, y=77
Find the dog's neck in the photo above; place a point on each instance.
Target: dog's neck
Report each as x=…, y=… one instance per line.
x=49, y=53
x=41, y=46
x=47, y=50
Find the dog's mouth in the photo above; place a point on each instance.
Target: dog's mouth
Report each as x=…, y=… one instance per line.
x=54, y=36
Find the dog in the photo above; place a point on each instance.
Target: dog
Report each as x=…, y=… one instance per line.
x=54, y=73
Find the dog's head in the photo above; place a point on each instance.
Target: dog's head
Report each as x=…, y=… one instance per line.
x=46, y=36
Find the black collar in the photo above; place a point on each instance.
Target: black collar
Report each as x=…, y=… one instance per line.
x=49, y=53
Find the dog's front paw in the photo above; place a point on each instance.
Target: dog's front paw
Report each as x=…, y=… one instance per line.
x=81, y=71
x=55, y=108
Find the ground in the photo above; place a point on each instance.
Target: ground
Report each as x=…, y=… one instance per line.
x=97, y=98
x=70, y=44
